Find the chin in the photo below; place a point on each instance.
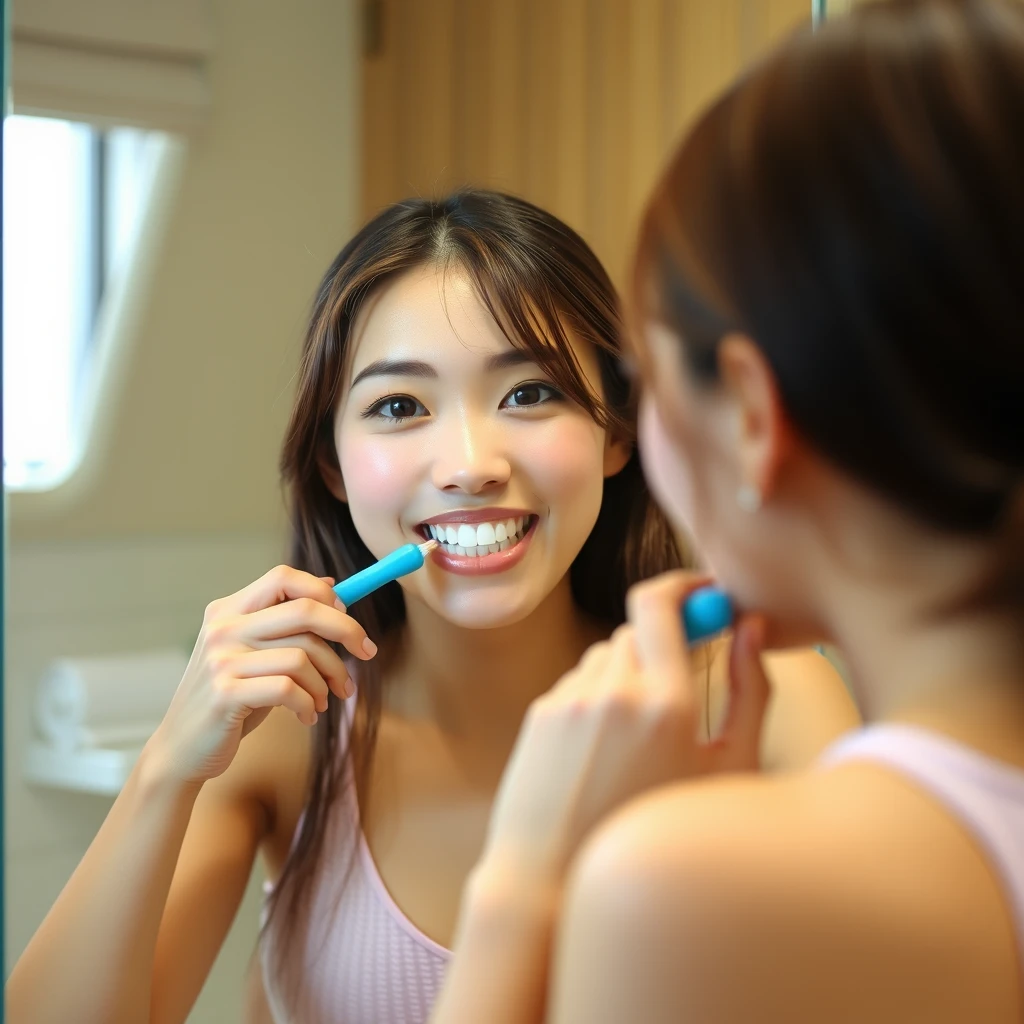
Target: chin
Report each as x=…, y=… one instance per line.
x=480, y=610
x=788, y=624
x=477, y=613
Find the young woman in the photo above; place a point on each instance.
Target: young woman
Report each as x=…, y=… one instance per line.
x=830, y=286
x=459, y=380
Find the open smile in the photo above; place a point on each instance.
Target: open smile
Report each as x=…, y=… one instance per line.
x=479, y=542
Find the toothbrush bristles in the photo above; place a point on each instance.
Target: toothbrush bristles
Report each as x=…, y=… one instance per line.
x=427, y=546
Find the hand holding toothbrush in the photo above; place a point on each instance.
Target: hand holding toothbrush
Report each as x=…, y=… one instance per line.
x=266, y=647
x=623, y=721
x=263, y=647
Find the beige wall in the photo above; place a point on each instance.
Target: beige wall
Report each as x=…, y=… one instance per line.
x=99, y=597
x=178, y=501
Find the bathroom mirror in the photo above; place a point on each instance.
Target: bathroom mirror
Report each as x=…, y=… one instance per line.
x=177, y=178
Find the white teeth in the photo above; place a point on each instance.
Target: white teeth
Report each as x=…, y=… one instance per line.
x=481, y=539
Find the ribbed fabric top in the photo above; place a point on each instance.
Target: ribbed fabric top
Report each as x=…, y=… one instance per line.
x=985, y=795
x=356, y=959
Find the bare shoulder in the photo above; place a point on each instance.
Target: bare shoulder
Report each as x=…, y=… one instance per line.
x=840, y=896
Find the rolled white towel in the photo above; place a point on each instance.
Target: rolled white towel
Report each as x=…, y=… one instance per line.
x=112, y=701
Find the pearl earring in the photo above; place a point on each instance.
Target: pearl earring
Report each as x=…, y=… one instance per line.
x=748, y=497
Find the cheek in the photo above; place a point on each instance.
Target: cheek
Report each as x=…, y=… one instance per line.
x=665, y=467
x=377, y=477
x=564, y=463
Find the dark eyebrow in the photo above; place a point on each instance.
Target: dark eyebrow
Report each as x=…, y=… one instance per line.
x=513, y=357
x=416, y=368
x=395, y=368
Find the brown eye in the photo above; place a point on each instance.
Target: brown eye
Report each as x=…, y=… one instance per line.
x=399, y=408
x=531, y=394
x=395, y=408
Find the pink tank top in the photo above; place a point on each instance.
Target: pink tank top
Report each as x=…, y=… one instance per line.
x=986, y=796
x=357, y=959
x=362, y=961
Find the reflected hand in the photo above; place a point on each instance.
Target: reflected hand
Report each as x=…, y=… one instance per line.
x=261, y=648
x=624, y=720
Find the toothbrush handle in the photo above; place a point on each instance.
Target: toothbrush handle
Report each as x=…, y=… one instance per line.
x=706, y=611
x=400, y=562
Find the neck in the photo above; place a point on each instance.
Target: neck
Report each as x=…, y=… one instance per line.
x=477, y=683
x=917, y=655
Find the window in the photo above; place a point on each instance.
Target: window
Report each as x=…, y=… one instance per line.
x=73, y=198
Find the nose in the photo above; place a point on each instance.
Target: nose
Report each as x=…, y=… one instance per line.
x=471, y=457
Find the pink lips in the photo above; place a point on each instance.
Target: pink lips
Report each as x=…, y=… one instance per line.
x=482, y=565
x=477, y=515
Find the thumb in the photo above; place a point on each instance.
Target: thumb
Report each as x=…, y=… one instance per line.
x=749, y=693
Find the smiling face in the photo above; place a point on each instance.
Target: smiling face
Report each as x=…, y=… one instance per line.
x=446, y=430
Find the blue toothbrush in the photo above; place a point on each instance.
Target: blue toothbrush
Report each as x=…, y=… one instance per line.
x=400, y=562
x=706, y=612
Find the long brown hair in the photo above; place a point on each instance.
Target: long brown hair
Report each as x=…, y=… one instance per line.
x=854, y=205
x=541, y=282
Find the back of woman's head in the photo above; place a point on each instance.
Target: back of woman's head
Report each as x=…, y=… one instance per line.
x=855, y=205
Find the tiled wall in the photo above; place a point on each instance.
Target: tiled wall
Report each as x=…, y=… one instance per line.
x=96, y=597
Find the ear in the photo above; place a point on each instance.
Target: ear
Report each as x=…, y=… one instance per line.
x=764, y=436
x=616, y=455
x=330, y=471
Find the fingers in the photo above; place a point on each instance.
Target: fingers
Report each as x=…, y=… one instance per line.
x=288, y=661
x=655, y=612
x=749, y=693
x=282, y=583
x=583, y=678
x=620, y=669
x=285, y=603
x=306, y=615
x=323, y=657
x=273, y=692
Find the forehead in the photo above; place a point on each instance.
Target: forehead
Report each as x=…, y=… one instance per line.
x=436, y=315
x=426, y=312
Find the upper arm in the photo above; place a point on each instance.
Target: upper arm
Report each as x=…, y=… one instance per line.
x=232, y=815
x=738, y=900
x=698, y=904
x=809, y=708
x=633, y=944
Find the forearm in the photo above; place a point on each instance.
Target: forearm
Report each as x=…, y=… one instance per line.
x=92, y=958
x=500, y=966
